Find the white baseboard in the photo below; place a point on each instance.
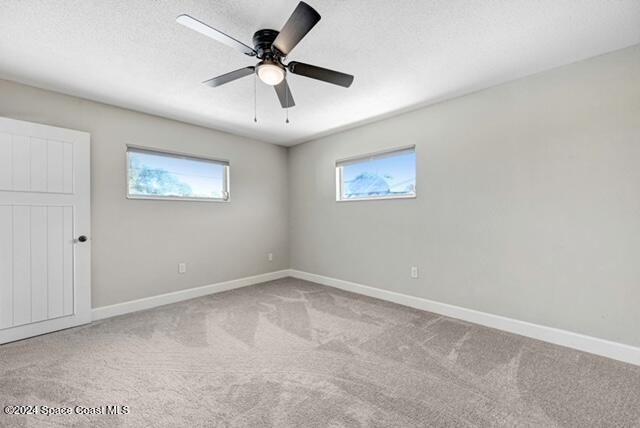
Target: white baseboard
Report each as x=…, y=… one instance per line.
x=178, y=296
x=581, y=342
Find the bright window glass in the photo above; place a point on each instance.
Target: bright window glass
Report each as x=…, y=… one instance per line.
x=157, y=175
x=387, y=175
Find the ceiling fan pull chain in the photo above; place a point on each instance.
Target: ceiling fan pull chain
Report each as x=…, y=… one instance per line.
x=255, y=98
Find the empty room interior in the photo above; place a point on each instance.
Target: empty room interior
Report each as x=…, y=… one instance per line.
x=277, y=213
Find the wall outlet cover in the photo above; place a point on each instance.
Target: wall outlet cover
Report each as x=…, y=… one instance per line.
x=414, y=272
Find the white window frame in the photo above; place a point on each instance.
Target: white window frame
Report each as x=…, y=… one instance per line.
x=340, y=163
x=179, y=155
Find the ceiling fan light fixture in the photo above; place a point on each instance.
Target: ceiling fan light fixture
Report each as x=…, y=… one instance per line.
x=270, y=72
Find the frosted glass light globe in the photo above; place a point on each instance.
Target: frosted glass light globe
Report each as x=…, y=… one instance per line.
x=270, y=74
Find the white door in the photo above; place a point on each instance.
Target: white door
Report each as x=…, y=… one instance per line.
x=45, y=256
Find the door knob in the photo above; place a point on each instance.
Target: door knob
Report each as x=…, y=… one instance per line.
x=82, y=238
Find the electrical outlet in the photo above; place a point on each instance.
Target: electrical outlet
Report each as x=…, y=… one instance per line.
x=182, y=268
x=414, y=272
x=270, y=257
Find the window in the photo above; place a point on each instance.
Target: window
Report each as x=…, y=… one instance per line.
x=387, y=175
x=157, y=175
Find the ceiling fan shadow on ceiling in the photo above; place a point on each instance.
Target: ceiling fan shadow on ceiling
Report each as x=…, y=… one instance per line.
x=271, y=48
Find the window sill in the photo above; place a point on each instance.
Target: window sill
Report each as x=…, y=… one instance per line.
x=381, y=198
x=176, y=198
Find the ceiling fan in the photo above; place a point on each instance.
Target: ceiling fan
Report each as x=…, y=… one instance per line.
x=271, y=48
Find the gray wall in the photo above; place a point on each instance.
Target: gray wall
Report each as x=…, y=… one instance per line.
x=137, y=244
x=528, y=202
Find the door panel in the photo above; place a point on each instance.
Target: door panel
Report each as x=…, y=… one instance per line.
x=6, y=171
x=36, y=267
x=38, y=165
x=21, y=266
x=39, y=265
x=55, y=259
x=67, y=260
x=21, y=163
x=6, y=266
x=32, y=164
x=44, y=202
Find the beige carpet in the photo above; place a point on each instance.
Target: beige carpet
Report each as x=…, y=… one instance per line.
x=290, y=353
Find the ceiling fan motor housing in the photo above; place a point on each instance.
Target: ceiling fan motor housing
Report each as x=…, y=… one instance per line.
x=262, y=41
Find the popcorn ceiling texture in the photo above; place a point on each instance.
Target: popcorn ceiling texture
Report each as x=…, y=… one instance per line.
x=133, y=54
x=291, y=353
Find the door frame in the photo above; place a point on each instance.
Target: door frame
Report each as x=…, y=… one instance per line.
x=81, y=201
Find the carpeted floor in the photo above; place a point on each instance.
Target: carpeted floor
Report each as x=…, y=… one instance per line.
x=291, y=353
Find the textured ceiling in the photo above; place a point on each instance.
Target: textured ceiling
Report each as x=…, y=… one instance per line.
x=403, y=53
